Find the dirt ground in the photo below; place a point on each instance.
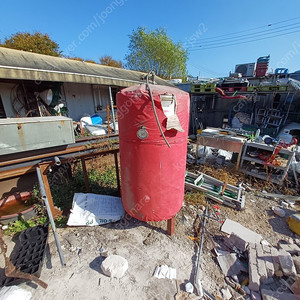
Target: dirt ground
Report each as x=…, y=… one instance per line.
x=146, y=246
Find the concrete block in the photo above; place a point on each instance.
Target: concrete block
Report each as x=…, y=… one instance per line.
x=271, y=295
x=242, y=232
x=230, y=264
x=234, y=240
x=286, y=263
x=114, y=266
x=291, y=248
x=226, y=293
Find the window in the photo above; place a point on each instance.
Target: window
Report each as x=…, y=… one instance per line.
x=97, y=98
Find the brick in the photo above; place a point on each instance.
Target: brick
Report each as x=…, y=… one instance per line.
x=269, y=262
x=291, y=248
x=261, y=265
x=286, y=263
x=296, y=261
x=259, y=250
x=271, y=295
x=266, y=248
x=275, y=259
x=254, y=278
x=262, y=271
x=255, y=295
x=252, y=253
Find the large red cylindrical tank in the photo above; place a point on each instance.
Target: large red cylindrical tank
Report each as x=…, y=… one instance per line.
x=152, y=174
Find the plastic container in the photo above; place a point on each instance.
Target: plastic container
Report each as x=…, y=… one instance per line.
x=285, y=137
x=96, y=119
x=28, y=253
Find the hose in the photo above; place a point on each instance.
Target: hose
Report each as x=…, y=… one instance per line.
x=153, y=106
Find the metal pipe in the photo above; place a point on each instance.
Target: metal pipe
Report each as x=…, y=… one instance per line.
x=44, y=197
x=27, y=167
x=112, y=108
x=197, y=281
x=81, y=146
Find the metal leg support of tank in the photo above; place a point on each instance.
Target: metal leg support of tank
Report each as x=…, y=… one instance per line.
x=171, y=226
x=85, y=176
x=117, y=172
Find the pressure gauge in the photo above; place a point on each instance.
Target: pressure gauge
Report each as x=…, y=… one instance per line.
x=142, y=133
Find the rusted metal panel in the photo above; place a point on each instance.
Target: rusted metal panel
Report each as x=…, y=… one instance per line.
x=25, y=134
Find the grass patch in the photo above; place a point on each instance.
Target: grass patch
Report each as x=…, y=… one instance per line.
x=194, y=198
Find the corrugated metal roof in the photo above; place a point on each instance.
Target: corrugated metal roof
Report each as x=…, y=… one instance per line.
x=16, y=64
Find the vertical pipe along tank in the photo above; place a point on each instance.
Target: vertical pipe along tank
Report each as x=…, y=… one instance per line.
x=152, y=173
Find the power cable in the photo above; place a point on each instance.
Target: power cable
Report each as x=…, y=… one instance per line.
x=251, y=29
x=259, y=33
x=244, y=42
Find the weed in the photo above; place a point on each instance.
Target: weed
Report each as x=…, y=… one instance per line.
x=108, y=177
x=194, y=198
x=61, y=221
x=22, y=224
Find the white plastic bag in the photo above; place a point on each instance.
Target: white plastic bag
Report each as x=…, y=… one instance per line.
x=14, y=293
x=93, y=209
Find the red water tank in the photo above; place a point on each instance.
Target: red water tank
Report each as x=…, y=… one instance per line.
x=152, y=173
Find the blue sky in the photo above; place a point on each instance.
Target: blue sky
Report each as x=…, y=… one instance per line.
x=90, y=29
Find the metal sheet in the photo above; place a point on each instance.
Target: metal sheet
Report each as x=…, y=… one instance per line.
x=15, y=64
x=25, y=134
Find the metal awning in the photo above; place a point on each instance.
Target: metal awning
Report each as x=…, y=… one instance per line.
x=22, y=65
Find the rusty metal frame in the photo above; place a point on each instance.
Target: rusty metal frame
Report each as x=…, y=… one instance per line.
x=88, y=143
x=82, y=157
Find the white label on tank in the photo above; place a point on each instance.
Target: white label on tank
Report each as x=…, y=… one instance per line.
x=168, y=104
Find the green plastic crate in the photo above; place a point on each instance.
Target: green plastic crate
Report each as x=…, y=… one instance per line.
x=282, y=88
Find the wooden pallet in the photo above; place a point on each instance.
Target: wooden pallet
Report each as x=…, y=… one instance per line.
x=216, y=190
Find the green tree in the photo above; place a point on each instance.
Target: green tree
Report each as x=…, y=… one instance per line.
x=107, y=60
x=154, y=50
x=37, y=43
